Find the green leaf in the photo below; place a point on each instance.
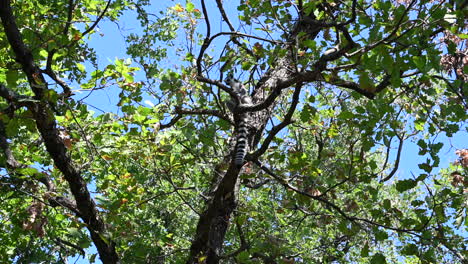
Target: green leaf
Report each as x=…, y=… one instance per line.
x=243, y=257
x=346, y=115
x=405, y=185
x=12, y=77
x=43, y=54
x=365, y=82
x=420, y=62
x=74, y=232
x=12, y=128
x=311, y=44
x=51, y=96
x=81, y=67
x=425, y=166
x=365, y=250
x=306, y=113
x=190, y=7
x=380, y=235
x=410, y=250
x=111, y=177
x=417, y=203
x=378, y=259
x=28, y=171
x=387, y=204
x=421, y=143
x=419, y=124
x=387, y=63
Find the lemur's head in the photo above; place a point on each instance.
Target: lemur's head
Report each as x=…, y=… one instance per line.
x=230, y=80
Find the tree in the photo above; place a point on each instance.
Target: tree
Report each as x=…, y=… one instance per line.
x=337, y=87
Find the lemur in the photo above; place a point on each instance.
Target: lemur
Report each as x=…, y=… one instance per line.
x=243, y=125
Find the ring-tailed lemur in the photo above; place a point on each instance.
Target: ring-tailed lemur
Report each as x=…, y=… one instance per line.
x=243, y=123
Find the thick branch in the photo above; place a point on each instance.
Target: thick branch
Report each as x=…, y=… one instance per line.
x=23, y=54
x=45, y=122
x=213, y=222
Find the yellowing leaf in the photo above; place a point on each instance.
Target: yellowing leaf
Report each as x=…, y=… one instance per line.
x=106, y=157
x=77, y=36
x=178, y=8
x=37, y=78
x=67, y=142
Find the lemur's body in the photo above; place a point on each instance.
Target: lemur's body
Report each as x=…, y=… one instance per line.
x=242, y=144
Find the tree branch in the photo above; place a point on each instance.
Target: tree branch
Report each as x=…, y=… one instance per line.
x=226, y=19
x=13, y=165
x=334, y=206
x=210, y=112
x=91, y=28
x=46, y=124
x=170, y=123
x=397, y=162
x=276, y=129
x=206, y=41
x=76, y=247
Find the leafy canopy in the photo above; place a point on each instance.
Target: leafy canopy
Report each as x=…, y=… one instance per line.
x=340, y=90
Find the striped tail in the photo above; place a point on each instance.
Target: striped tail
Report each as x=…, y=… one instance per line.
x=241, y=146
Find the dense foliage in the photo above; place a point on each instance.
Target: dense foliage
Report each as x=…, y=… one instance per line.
x=337, y=86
